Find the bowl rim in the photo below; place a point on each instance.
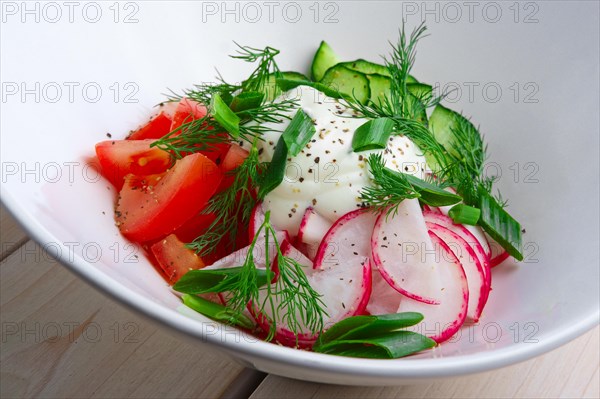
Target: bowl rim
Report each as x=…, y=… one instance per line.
x=369, y=368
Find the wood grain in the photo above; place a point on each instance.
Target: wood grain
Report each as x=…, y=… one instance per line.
x=570, y=371
x=61, y=338
x=12, y=235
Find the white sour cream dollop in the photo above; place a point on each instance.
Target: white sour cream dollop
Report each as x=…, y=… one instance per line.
x=327, y=174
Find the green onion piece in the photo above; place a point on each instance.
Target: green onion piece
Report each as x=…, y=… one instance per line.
x=298, y=133
x=275, y=172
x=373, y=135
x=365, y=326
x=226, y=96
x=390, y=345
x=225, y=116
x=217, y=312
x=464, y=214
x=214, y=280
x=430, y=194
x=246, y=100
x=499, y=224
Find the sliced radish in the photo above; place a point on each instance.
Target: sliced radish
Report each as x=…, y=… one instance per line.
x=443, y=321
x=497, y=253
x=238, y=257
x=341, y=273
x=476, y=231
x=427, y=208
x=257, y=218
x=384, y=299
x=402, y=251
x=476, y=280
x=313, y=228
x=473, y=242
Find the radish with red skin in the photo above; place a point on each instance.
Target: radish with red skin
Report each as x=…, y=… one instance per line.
x=476, y=231
x=442, y=321
x=313, y=227
x=384, y=299
x=497, y=253
x=478, y=287
x=473, y=242
x=399, y=244
x=341, y=273
x=257, y=218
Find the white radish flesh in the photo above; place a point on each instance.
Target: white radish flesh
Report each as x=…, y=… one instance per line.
x=442, y=321
x=402, y=251
x=478, y=287
x=473, y=242
x=313, y=227
x=384, y=299
x=341, y=273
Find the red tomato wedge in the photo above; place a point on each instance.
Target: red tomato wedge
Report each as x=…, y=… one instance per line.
x=119, y=158
x=234, y=157
x=174, y=258
x=194, y=227
x=187, y=110
x=156, y=128
x=150, y=207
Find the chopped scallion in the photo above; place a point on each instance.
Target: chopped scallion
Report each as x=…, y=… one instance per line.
x=225, y=116
x=465, y=214
x=373, y=135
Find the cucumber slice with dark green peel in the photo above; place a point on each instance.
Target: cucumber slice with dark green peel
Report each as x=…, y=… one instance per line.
x=419, y=90
x=379, y=86
x=288, y=84
x=347, y=82
x=371, y=68
x=324, y=59
x=441, y=123
x=421, y=112
x=367, y=67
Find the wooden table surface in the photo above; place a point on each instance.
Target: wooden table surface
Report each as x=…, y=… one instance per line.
x=63, y=339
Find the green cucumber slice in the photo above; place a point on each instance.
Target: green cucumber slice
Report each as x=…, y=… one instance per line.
x=324, y=59
x=419, y=90
x=367, y=67
x=441, y=123
x=379, y=86
x=347, y=82
x=371, y=68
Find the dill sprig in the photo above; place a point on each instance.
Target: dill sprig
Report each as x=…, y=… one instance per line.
x=203, y=134
x=388, y=191
x=400, y=103
x=260, y=79
x=464, y=161
x=290, y=299
x=232, y=207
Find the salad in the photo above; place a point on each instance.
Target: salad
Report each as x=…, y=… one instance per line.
x=345, y=213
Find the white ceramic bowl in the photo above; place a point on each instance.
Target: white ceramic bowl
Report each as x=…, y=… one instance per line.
x=532, y=87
